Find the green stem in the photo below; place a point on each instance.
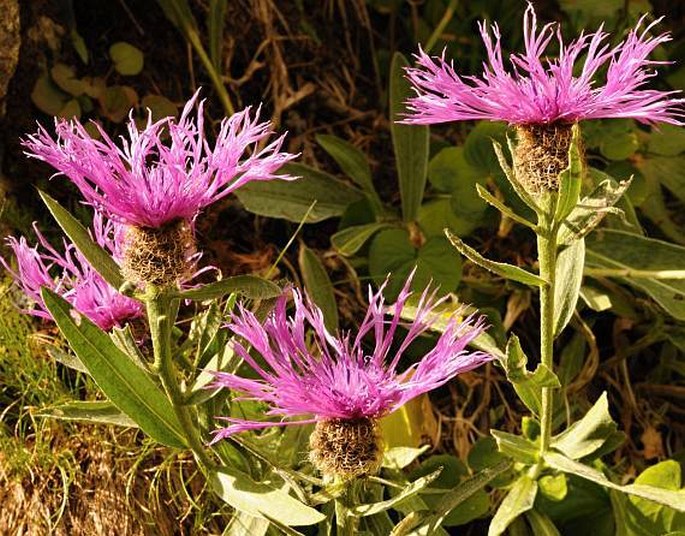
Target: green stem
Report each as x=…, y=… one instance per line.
x=346, y=523
x=159, y=304
x=444, y=21
x=547, y=258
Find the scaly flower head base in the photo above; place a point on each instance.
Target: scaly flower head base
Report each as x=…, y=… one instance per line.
x=346, y=448
x=541, y=154
x=159, y=256
x=337, y=381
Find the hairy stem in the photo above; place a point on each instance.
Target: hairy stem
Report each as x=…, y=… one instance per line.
x=159, y=305
x=547, y=258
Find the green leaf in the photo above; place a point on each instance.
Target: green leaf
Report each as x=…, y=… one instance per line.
x=592, y=209
x=665, y=475
x=350, y=159
x=98, y=258
x=159, y=106
x=439, y=214
x=94, y=411
x=585, y=436
x=619, y=146
x=127, y=59
x=410, y=142
x=554, y=487
x=541, y=524
x=668, y=140
x=511, y=175
x=672, y=499
x=570, y=179
x=504, y=209
x=478, y=146
x=400, y=457
x=644, y=263
x=350, y=240
x=250, y=286
x=216, y=15
x=528, y=385
x=519, y=500
x=319, y=286
x=508, y=271
x=120, y=379
x=410, y=490
x=291, y=200
x=567, y=280
x=65, y=77
x=451, y=500
x=47, y=96
x=261, y=500
x=392, y=253
x=516, y=447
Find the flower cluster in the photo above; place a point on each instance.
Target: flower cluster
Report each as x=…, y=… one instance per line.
x=70, y=275
x=540, y=90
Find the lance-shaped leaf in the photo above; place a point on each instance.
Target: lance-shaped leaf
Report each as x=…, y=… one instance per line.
x=570, y=179
x=508, y=271
x=519, y=500
x=351, y=239
x=99, y=259
x=250, y=286
x=591, y=210
x=517, y=447
x=319, y=286
x=511, y=174
x=120, y=379
x=93, y=411
x=410, y=490
x=261, y=500
x=504, y=209
x=528, y=385
x=586, y=436
x=410, y=142
x=672, y=499
x=567, y=280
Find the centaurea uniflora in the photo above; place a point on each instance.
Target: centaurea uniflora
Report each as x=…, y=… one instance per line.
x=71, y=276
x=159, y=179
x=338, y=382
x=544, y=96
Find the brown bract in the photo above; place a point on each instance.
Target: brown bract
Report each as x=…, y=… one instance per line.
x=346, y=448
x=541, y=154
x=158, y=256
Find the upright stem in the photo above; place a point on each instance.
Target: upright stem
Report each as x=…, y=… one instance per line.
x=347, y=524
x=158, y=307
x=547, y=258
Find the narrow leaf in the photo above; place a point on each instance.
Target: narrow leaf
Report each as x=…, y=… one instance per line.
x=350, y=159
x=215, y=28
x=519, y=500
x=672, y=499
x=410, y=490
x=591, y=210
x=120, y=379
x=94, y=411
x=516, y=447
x=410, y=142
x=508, y=271
x=292, y=200
x=250, y=286
x=588, y=434
x=567, y=280
x=511, y=175
x=541, y=524
x=571, y=179
x=79, y=235
x=319, y=286
x=504, y=209
x=261, y=500
x=351, y=239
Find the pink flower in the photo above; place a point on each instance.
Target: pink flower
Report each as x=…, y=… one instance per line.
x=335, y=377
x=537, y=90
x=72, y=277
x=148, y=182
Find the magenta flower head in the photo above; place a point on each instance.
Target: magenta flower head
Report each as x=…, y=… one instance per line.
x=71, y=276
x=160, y=178
x=544, y=96
x=337, y=382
